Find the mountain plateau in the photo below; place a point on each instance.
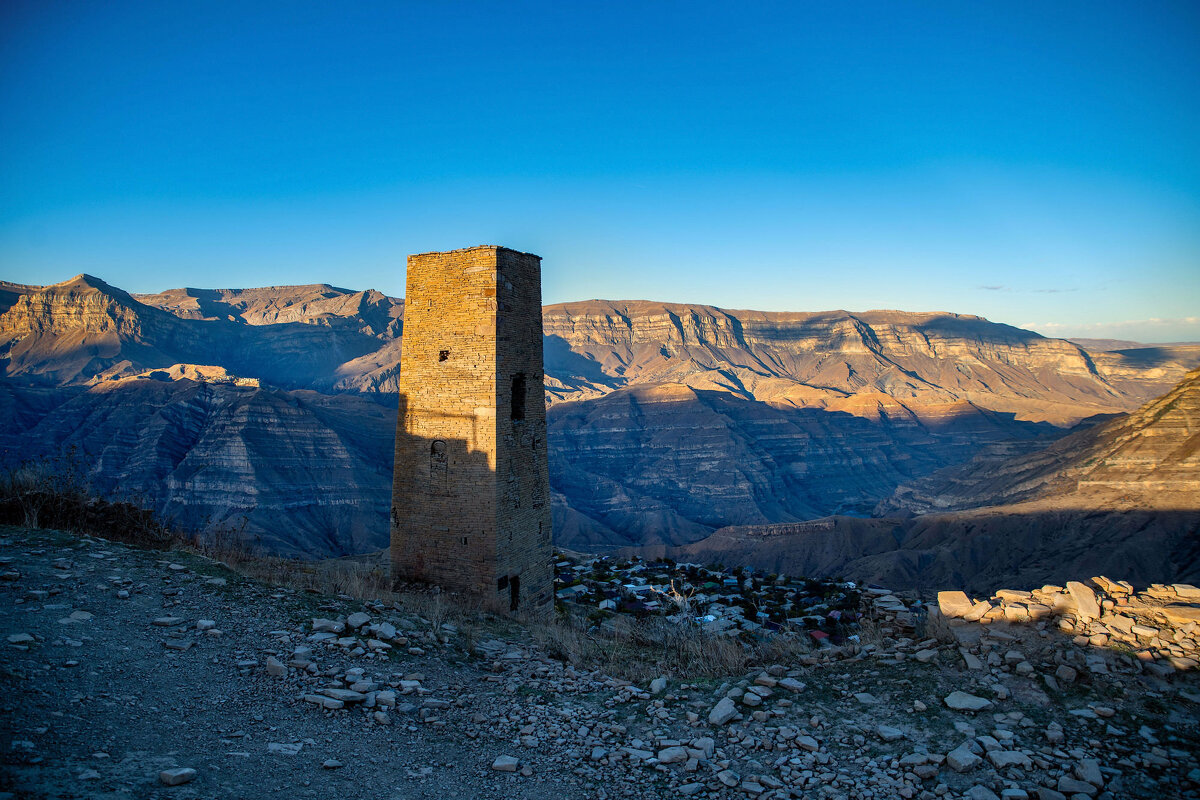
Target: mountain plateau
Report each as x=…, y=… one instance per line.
x=666, y=423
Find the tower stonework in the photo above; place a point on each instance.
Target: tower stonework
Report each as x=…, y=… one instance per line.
x=471, y=489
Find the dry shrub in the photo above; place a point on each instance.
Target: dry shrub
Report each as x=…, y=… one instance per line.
x=869, y=631
x=51, y=493
x=366, y=578
x=361, y=578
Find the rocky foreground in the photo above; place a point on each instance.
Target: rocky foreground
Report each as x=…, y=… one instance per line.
x=135, y=673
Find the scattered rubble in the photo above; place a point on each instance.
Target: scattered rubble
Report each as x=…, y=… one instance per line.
x=1154, y=632
x=327, y=689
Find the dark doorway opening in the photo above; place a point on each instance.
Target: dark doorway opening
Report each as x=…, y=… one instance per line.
x=514, y=592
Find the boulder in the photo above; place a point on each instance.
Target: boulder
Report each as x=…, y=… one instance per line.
x=961, y=701
x=1086, y=605
x=505, y=764
x=722, y=712
x=953, y=604
x=176, y=776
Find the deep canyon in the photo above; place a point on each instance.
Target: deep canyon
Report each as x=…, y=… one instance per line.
x=269, y=413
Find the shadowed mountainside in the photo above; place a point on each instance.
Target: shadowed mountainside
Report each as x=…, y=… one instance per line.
x=296, y=473
x=1122, y=497
x=668, y=464
x=667, y=421
x=1150, y=456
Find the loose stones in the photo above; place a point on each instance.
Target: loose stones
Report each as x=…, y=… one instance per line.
x=961, y=701
x=177, y=776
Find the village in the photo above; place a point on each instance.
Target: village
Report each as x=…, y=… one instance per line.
x=738, y=602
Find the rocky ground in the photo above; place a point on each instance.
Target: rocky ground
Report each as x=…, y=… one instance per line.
x=125, y=670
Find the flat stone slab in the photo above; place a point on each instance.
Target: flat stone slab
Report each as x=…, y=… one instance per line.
x=961, y=701
x=888, y=733
x=176, y=776
x=1085, y=600
x=961, y=759
x=722, y=712
x=1180, y=614
x=953, y=604
x=505, y=764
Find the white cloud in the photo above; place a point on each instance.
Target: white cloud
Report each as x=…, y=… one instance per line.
x=1150, y=329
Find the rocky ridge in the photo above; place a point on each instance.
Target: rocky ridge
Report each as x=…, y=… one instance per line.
x=668, y=422
x=295, y=473
x=1120, y=495
x=863, y=363
x=1150, y=457
x=230, y=687
x=84, y=331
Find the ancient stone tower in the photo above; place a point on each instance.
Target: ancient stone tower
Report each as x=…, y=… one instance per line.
x=471, y=491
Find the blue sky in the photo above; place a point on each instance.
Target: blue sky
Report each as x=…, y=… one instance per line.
x=1034, y=163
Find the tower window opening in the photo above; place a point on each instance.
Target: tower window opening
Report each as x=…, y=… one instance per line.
x=518, y=396
x=443, y=355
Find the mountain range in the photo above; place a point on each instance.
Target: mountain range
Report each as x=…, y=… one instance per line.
x=270, y=411
x=1121, y=497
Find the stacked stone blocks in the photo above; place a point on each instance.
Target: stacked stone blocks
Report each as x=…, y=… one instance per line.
x=471, y=493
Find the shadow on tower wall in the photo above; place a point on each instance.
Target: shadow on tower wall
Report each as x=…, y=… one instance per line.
x=448, y=524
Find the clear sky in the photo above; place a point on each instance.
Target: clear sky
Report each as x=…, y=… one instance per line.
x=1035, y=163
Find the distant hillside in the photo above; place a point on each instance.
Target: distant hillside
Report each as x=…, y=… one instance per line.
x=667, y=423
x=84, y=331
x=1150, y=457
x=1110, y=345
x=672, y=421
x=296, y=473
x=1121, y=497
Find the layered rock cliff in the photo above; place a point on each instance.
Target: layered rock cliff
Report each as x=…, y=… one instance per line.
x=852, y=362
x=1150, y=458
x=84, y=331
x=671, y=421
x=667, y=422
x=1122, y=496
x=668, y=464
x=296, y=473
x=369, y=311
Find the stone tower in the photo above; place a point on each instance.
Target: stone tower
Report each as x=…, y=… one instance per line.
x=471, y=490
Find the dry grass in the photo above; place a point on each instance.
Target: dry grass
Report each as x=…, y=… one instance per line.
x=45, y=495
x=640, y=650
x=366, y=578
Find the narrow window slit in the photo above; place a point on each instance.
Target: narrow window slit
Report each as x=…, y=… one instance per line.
x=518, y=397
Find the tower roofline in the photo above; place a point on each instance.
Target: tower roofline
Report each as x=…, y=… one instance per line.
x=495, y=247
